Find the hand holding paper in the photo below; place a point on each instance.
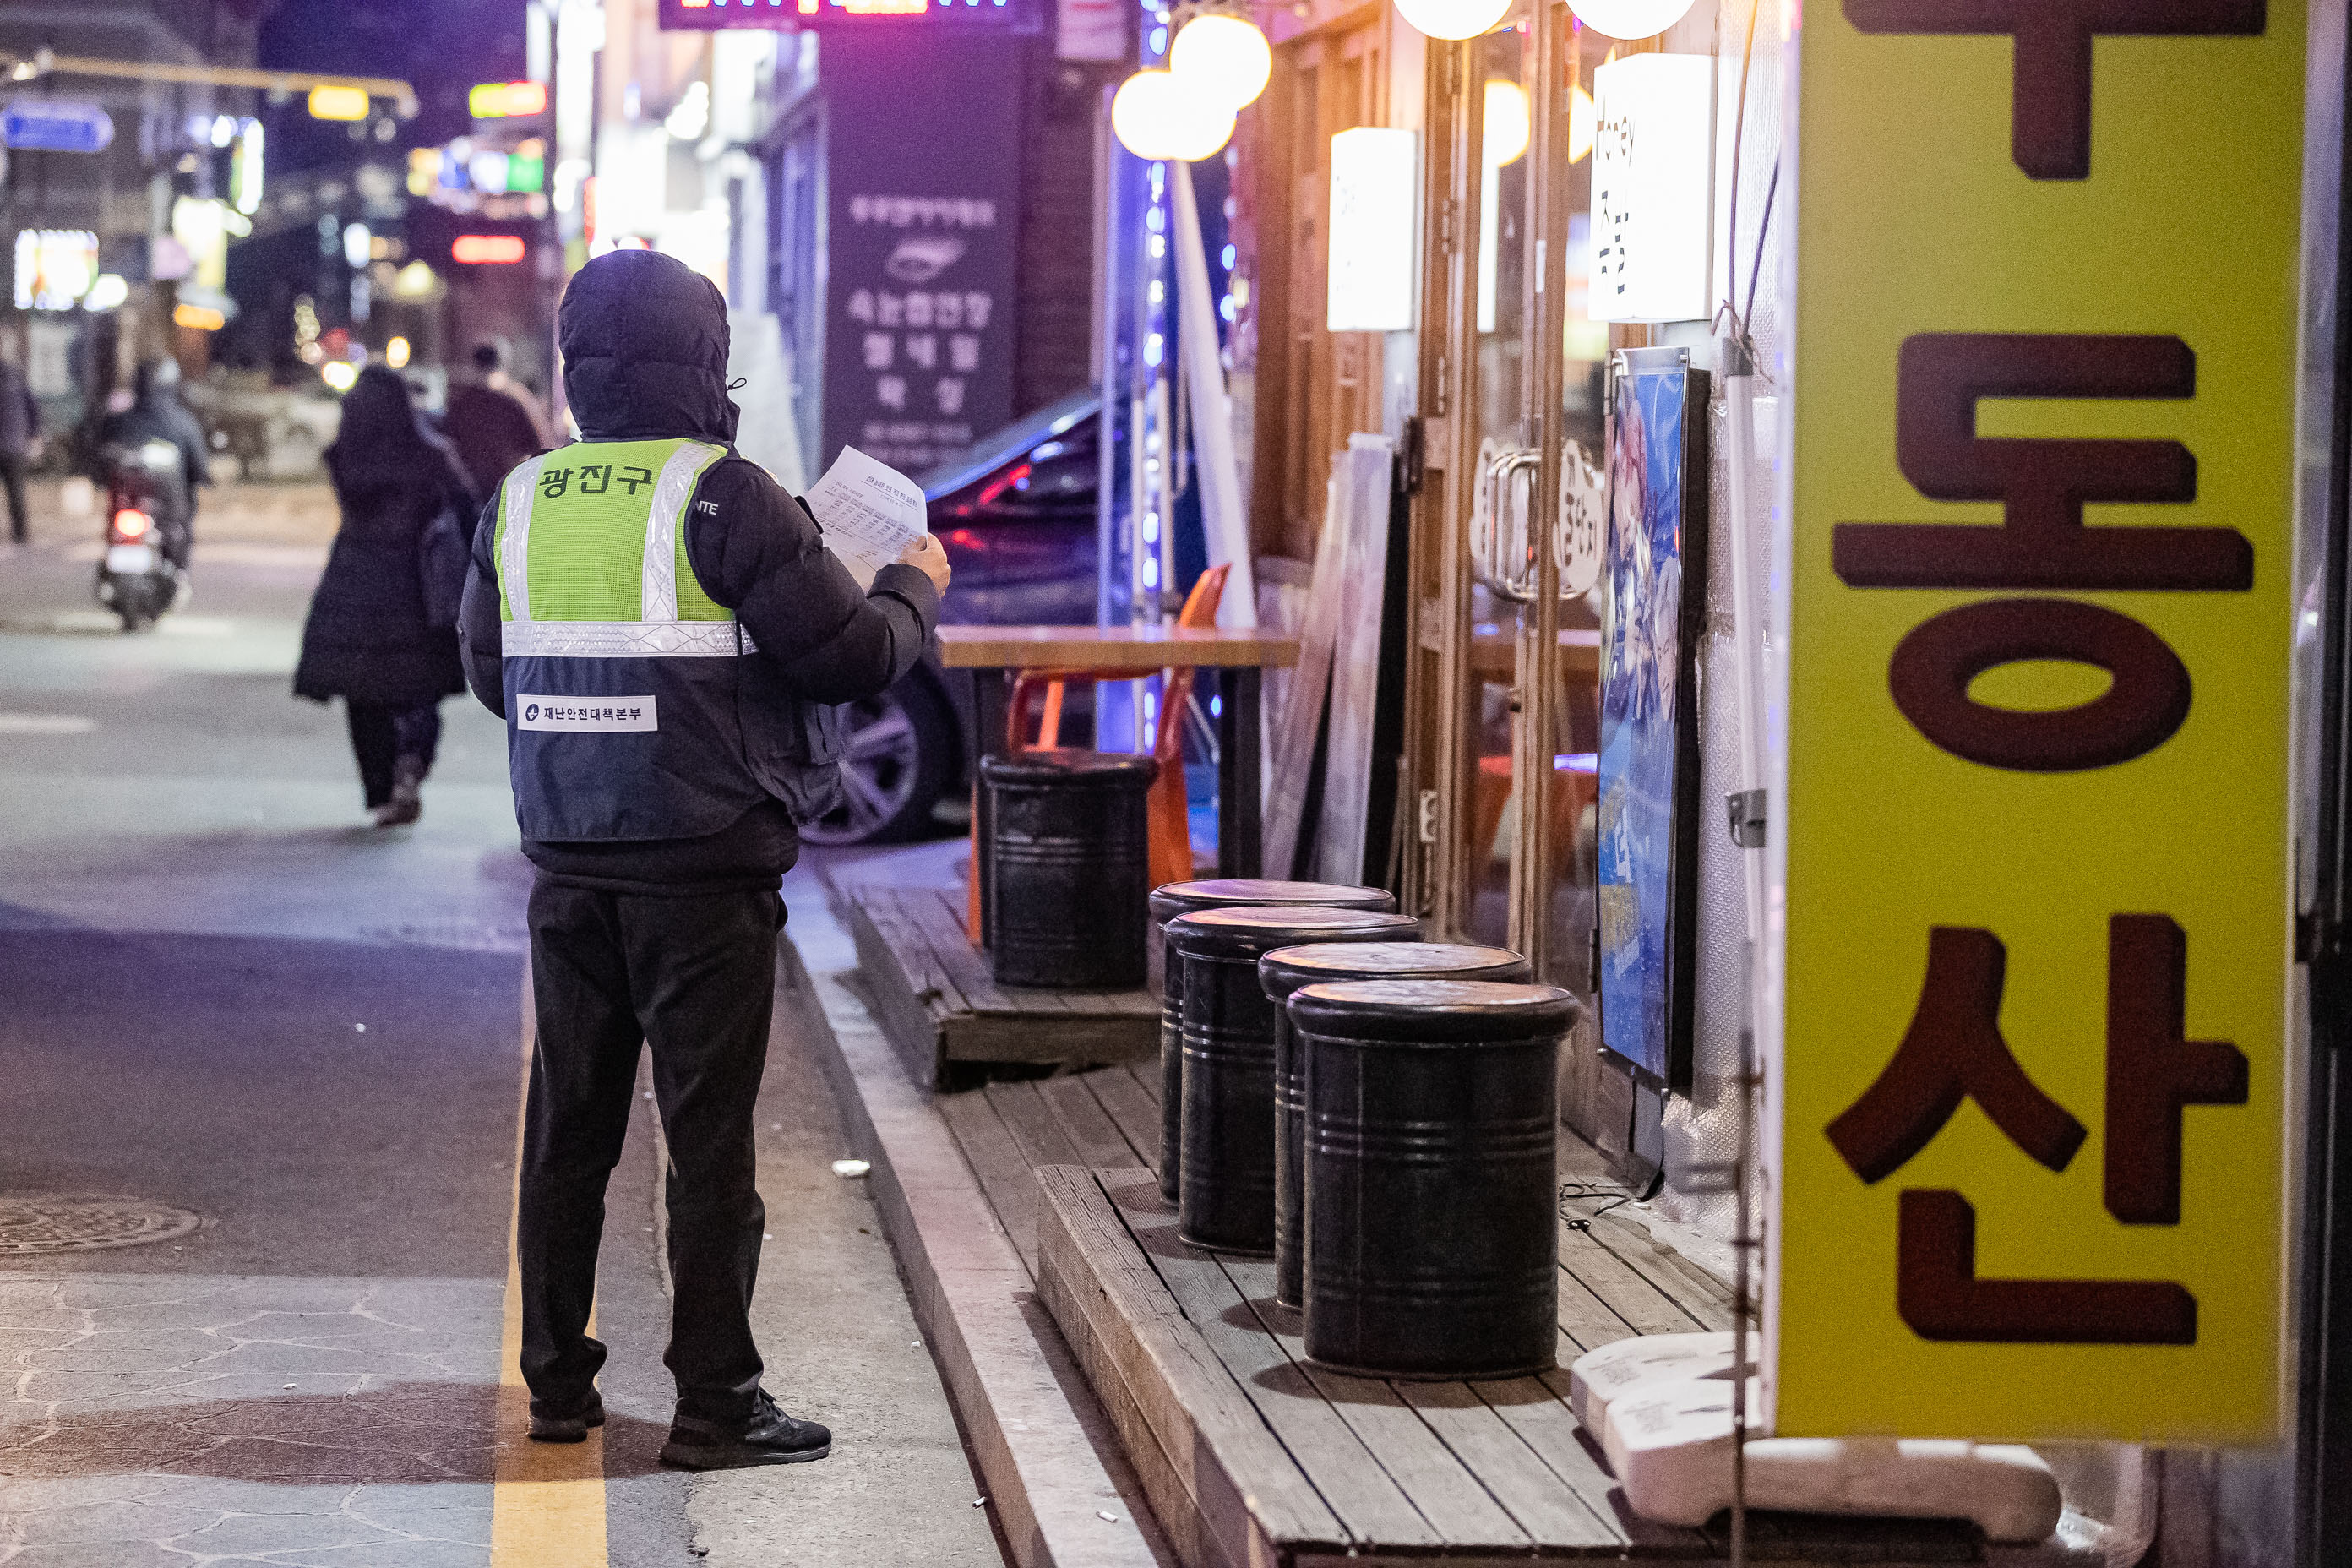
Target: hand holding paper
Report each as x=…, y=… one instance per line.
x=923, y=552
x=871, y=514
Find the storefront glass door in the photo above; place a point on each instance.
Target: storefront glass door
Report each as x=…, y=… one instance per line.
x=1497, y=433
x=1530, y=706
x=1578, y=490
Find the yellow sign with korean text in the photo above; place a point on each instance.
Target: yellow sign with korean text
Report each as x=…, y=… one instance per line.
x=2035, y=1057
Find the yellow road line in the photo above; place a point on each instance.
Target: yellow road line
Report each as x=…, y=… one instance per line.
x=547, y=1507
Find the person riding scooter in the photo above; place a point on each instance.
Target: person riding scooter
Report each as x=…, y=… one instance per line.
x=156, y=413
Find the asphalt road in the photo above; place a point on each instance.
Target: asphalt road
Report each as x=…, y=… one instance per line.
x=223, y=994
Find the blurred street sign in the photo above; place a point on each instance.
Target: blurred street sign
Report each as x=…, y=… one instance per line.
x=336, y=103
x=56, y=125
x=496, y=250
x=860, y=15
x=507, y=99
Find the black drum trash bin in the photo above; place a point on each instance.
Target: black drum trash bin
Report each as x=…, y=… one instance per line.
x=1285, y=971
x=1068, y=872
x=1226, y=1200
x=1432, y=1241
x=1173, y=899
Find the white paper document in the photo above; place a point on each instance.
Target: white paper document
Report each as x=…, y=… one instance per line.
x=870, y=512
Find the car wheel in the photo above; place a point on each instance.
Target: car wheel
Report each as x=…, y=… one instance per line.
x=897, y=756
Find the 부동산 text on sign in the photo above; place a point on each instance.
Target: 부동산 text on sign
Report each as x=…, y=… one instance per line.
x=2033, y=1038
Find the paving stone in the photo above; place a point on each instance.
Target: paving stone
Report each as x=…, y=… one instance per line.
x=117, y=1554
x=459, y=1514
x=397, y=1554
x=260, y=1534
x=115, y=1519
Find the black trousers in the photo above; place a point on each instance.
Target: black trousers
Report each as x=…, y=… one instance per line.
x=694, y=978
x=12, y=479
x=381, y=735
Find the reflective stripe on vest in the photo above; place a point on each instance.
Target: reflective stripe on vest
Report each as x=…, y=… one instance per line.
x=602, y=611
x=658, y=631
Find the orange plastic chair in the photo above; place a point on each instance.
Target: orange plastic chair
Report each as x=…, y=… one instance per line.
x=1168, y=849
x=1567, y=794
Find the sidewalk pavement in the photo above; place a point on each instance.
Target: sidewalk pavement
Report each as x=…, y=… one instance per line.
x=222, y=991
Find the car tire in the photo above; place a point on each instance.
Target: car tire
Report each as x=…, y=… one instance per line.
x=898, y=756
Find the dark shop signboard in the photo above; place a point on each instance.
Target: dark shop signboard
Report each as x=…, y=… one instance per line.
x=902, y=17
x=2035, y=986
x=923, y=176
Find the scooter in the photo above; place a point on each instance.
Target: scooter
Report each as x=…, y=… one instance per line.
x=139, y=576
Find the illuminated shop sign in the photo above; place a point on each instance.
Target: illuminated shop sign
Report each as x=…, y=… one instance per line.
x=54, y=267
x=469, y=175
x=477, y=248
x=1374, y=192
x=709, y=15
x=507, y=99
x=338, y=104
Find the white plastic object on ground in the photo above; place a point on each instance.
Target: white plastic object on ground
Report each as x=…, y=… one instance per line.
x=846, y=1168
x=1667, y=1437
x=1615, y=1369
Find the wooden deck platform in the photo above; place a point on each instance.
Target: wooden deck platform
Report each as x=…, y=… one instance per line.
x=1252, y=1461
x=931, y=991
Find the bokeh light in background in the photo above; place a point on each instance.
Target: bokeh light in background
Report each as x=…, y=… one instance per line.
x=1453, y=18
x=1222, y=57
x=1156, y=117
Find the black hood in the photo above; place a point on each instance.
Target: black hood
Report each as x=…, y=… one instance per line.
x=645, y=350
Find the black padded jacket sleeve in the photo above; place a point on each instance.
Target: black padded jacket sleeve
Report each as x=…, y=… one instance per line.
x=477, y=618
x=755, y=550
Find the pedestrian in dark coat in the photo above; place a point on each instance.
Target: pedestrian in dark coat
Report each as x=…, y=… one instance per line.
x=20, y=438
x=494, y=423
x=368, y=640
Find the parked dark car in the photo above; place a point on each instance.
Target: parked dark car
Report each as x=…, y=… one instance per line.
x=1016, y=514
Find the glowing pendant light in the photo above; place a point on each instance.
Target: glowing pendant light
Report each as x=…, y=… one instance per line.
x=1222, y=58
x=1629, y=18
x=1507, y=125
x=1155, y=115
x=1583, y=124
x=1453, y=18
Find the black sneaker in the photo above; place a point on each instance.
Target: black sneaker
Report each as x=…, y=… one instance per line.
x=769, y=1438
x=548, y=1424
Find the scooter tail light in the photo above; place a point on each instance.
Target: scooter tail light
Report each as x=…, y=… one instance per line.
x=132, y=523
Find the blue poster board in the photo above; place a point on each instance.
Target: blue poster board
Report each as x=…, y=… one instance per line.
x=1655, y=566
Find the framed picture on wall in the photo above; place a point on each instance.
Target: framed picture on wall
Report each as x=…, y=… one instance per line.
x=1655, y=566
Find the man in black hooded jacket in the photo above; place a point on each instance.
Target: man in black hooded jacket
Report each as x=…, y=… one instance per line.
x=663, y=628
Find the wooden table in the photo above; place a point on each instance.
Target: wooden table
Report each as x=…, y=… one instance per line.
x=1139, y=651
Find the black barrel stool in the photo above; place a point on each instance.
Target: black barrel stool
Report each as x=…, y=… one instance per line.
x=1432, y=1245
x=1173, y=899
x=1226, y=1198
x=1068, y=875
x=1285, y=971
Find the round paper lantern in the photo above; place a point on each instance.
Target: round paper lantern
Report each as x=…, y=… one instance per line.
x=1453, y=18
x=1223, y=58
x=1507, y=122
x=1156, y=116
x=1629, y=18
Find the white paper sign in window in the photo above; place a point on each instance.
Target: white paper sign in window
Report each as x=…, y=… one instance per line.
x=1651, y=166
x=1375, y=188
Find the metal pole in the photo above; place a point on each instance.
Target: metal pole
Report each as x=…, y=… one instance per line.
x=1211, y=409
x=26, y=68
